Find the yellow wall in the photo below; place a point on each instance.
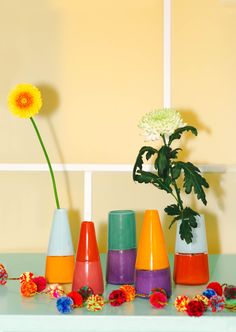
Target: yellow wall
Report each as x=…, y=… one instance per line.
x=99, y=66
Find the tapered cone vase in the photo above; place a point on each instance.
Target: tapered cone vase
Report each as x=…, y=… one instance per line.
x=88, y=269
x=60, y=254
x=191, y=260
x=152, y=264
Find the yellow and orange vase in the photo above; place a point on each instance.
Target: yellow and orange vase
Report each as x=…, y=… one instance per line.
x=152, y=264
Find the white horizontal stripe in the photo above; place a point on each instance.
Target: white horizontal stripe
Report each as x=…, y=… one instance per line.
x=207, y=168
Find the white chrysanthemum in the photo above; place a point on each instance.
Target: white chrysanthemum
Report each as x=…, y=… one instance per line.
x=160, y=122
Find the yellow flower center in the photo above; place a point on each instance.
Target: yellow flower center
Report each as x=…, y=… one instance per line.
x=24, y=100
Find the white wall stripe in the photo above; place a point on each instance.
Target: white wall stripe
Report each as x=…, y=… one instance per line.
x=207, y=168
x=167, y=54
x=88, y=196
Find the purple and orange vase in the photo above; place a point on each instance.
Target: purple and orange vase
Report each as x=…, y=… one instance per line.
x=152, y=264
x=88, y=269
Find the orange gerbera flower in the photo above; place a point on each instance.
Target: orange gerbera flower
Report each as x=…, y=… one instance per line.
x=25, y=100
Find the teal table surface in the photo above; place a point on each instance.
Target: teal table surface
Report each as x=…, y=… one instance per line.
x=39, y=313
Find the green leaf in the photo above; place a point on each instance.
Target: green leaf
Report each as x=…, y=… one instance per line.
x=174, y=220
x=141, y=176
x=179, y=131
x=174, y=153
x=185, y=232
x=188, y=222
x=148, y=177
x=193, y=180
x=162, y=162
x=175, y=171
x=167, y=181
x=172, y=210
x=145, y=152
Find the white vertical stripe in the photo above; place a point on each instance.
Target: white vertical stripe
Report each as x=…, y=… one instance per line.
x=167, y=54
x=87, y=196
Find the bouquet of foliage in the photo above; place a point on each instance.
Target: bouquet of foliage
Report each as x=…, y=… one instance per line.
x=166, y=124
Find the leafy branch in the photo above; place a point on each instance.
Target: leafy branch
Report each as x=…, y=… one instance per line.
x=167, y=171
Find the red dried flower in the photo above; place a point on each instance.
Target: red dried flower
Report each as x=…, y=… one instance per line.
x=158, y=300
x=117, y=297
x=154, y=290
x=216, y=287
x=26, y=276
x=195, y=308
x=181, y=303
x=204, y=300
x=230, y=292
x=41, y=283
x=3, y=275
x=77, y=298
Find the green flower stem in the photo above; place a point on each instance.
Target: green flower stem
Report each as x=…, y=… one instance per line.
x=179, y=200
x=48, y=161
x=164, y=139
x=177, y=197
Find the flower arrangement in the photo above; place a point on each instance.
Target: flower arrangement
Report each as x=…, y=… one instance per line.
x=167, y=125
x=25, y=101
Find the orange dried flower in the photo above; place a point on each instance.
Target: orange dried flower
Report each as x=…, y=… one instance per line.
x=28, y=288
x=129, y=292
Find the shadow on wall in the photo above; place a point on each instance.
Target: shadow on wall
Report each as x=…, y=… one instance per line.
x=101, y=233
x=75, y=222
x=191, y=119
x=212, y=222
x=169, y=234
x=51, y=102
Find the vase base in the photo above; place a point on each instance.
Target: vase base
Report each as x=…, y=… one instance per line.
x=120, y=266
x=146, y=280
x=59, y=269
x=88, y=274
x=191, y=269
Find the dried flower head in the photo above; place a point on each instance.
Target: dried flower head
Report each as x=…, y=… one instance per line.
x=160, y=122
x=25, y=100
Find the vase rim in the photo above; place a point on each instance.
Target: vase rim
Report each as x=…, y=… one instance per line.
x=121, y=212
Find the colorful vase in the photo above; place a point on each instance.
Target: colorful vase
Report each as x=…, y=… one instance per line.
x=121, y=254
x=191, y=260
x=88, y=270
x=60, y=254
x=152, y=264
